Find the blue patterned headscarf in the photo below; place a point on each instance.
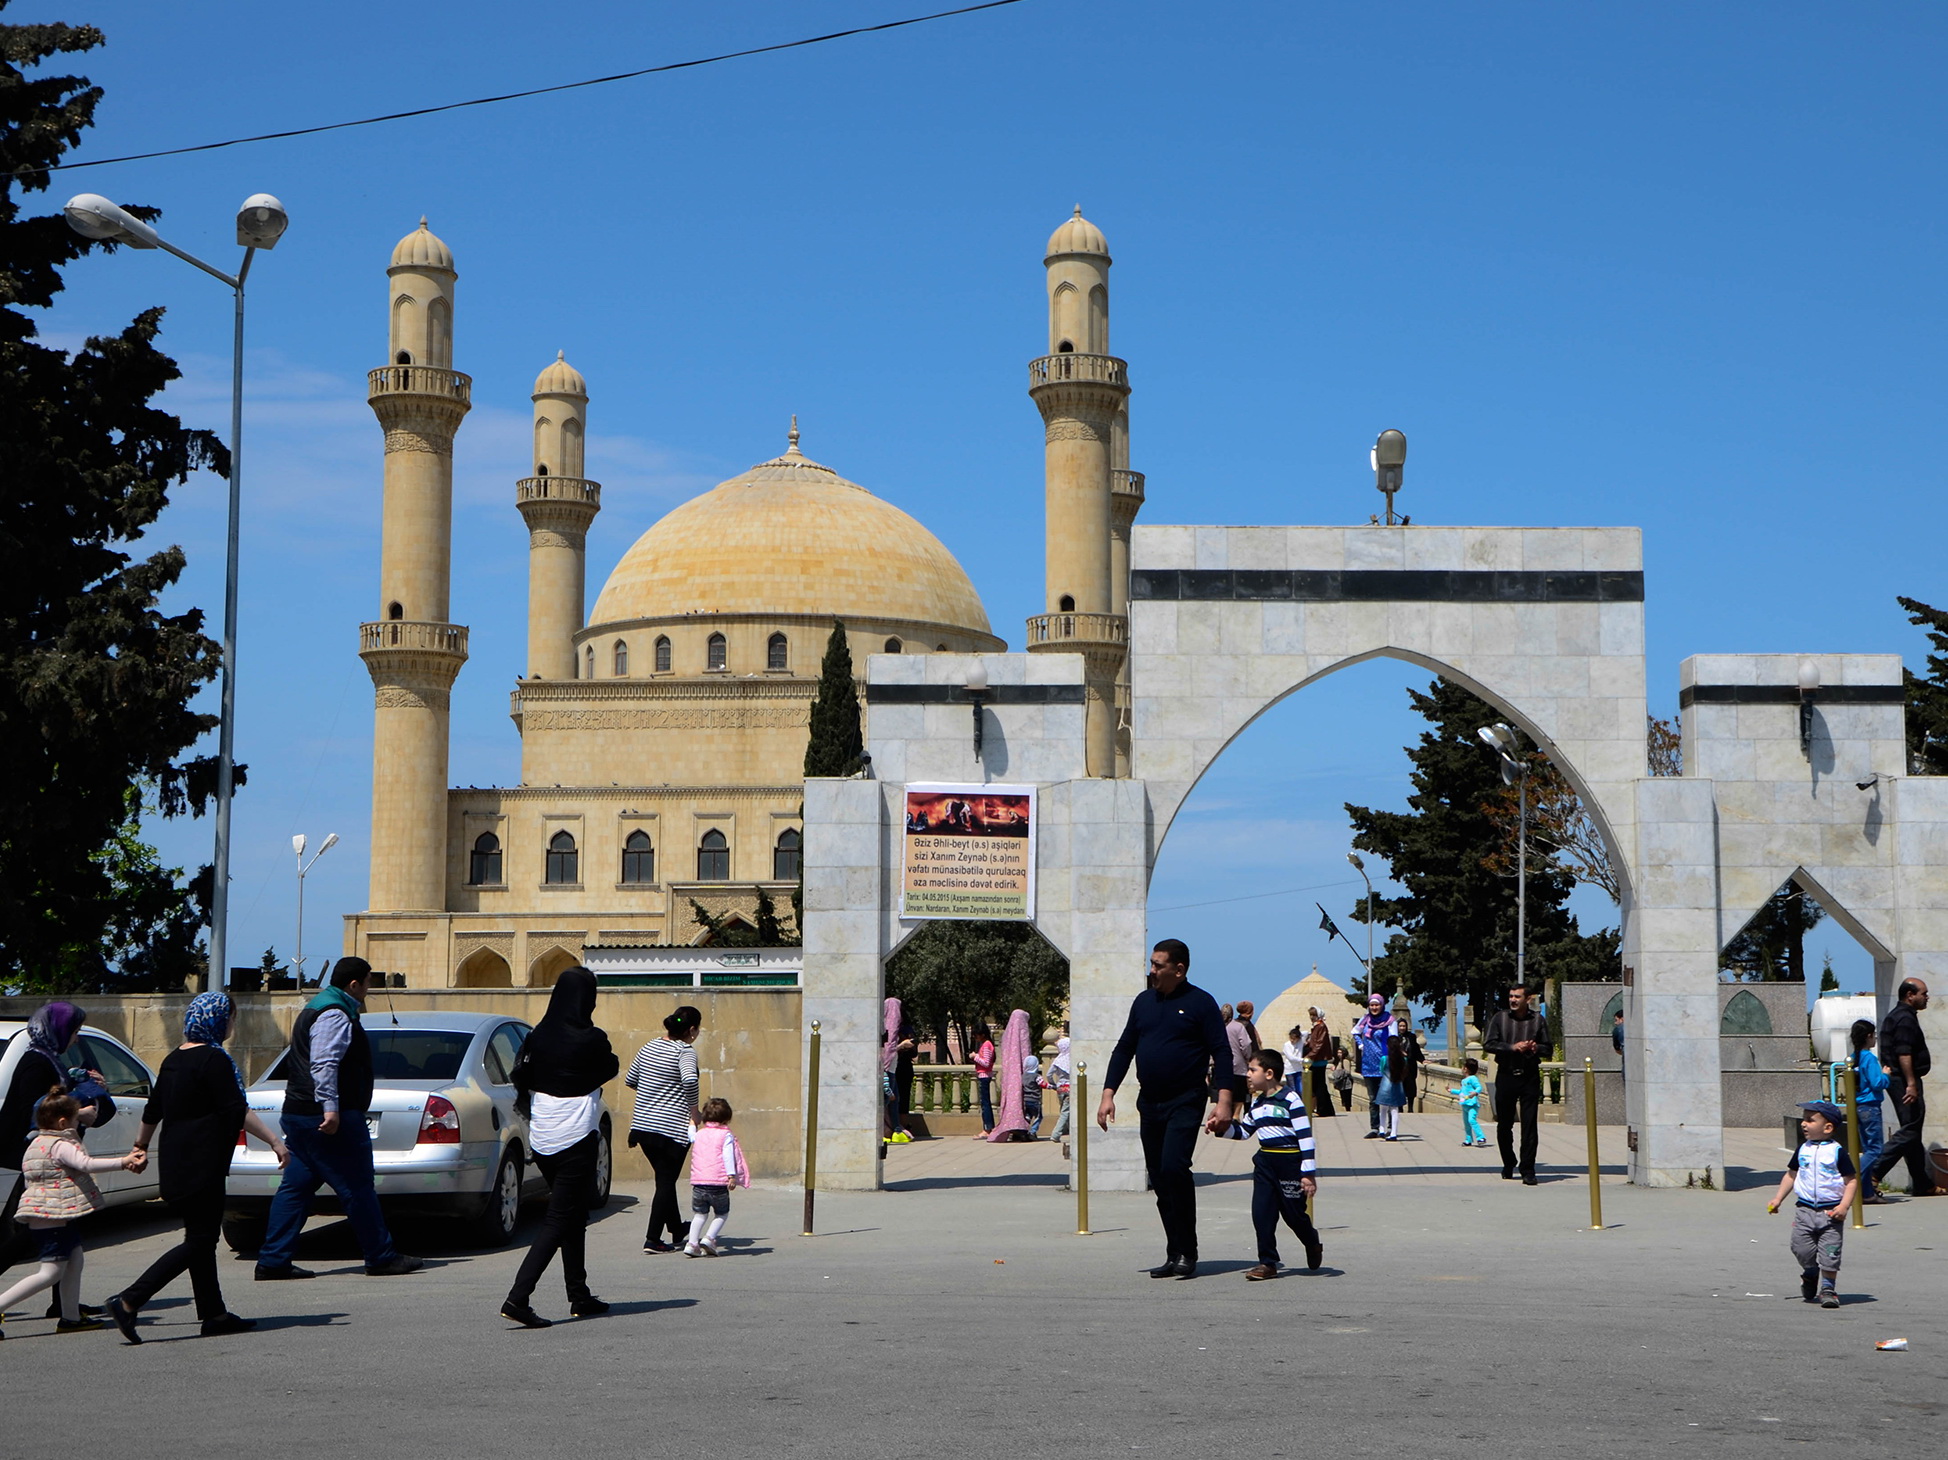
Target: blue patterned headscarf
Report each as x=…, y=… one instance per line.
x=207, y=1021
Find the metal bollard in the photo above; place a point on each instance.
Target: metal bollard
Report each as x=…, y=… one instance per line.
x=1589, y=1120
x=1852, y=1080
x=811, y=1129
x=1079, y=1107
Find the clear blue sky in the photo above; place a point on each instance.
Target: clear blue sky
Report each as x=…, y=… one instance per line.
x=1667, y=265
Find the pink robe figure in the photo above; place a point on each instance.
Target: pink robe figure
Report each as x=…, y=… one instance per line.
x=1014, y=1049
x=889, y=1048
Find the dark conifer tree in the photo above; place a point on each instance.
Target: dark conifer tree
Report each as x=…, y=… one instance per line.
x=837, y=742
x=1927, y=695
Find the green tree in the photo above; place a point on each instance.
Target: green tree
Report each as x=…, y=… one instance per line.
x=1829, y=981
x=837, y=743
x=1927, y=695
x=963, y=973
x=725, y=930
x=1771, y=948
x=1456, y=920
x=95, y=681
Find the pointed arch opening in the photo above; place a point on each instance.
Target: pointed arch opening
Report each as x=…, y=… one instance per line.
x=483, y=969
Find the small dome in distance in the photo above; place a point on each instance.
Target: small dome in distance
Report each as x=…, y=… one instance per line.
x=561, y=378
x=422, y=249
x=1078, y=235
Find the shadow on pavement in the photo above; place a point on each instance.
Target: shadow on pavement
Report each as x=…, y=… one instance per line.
x=1054, y=1179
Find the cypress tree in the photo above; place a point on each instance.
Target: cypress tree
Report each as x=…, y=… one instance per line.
x=1927, y=696
x=837, y=743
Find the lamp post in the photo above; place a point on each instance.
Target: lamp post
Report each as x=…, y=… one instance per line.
x=261, y=221
x=1389, y=458
x=977, y=693
x=1360, y=867
x=1515, y=772
x=297, y=846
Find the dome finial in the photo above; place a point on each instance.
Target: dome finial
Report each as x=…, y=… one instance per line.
x=561, y=354
x=422, y=218
x=792, y=437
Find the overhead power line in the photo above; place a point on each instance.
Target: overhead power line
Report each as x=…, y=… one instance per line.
x=427, y=111
x=1255, y=896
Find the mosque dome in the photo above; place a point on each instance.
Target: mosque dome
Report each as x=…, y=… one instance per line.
x=422, y=249
x=790, y=536
x=560, y=378
x=1078, y=235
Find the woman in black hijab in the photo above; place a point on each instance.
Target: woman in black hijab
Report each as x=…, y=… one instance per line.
x=560, y=1073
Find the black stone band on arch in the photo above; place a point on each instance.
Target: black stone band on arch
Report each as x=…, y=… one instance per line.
x=1379, y=585
x=956, y=694
x=1788, y=694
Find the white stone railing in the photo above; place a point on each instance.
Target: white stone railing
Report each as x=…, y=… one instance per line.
x=1079, y=628
x=1059, y=369
x=396, y=633
x=558, y=489
x=1126, y=483
x=420, y=380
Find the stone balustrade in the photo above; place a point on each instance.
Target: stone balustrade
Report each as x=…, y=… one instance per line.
x=429, y=380
x=410, y=634
x=1084, y=369
x=1078, y=628
x=1126, y=483
x=558, y=489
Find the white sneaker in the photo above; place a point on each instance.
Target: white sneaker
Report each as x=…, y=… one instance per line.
x=711, y=1249
x=690, y=1249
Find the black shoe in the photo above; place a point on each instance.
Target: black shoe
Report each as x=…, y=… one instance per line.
x=1528, y=1179
x=1186, y=1269
x=1372, y=1135
x=588, y=1306
x=124, y=1317
x=87, y=1310
x=1809, y=1287
x=284, y=1274
x=522, y=1314
x=228, y=1323
x=1508, y=1173
x=656, y=1244
x=1315, y=1253
x=398, y=1265
x=89, y=1325
x=1169, y=1269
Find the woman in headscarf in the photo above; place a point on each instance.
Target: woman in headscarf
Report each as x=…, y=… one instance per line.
x=664, y=1077
x=199, y=1103
x=41, y=1068
x=1061, y=1079
x=560, y=1074
x=1012, y=1122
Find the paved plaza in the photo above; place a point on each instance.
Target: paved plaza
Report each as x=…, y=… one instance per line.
x=962, y=1314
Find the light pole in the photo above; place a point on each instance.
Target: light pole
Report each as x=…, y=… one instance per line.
x=1360, y=867
x=297, y=846
x=1515, y=772
x=261, y=221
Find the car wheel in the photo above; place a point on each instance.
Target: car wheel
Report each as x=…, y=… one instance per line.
x=495, y=1225
x=245, y=1234
x=605, y=1170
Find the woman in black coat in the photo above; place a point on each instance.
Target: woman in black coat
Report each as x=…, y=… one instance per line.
x=560, y=1073
x=199, y=1103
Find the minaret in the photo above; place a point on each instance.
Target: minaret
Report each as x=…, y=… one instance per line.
x=1081, y=391
x=1125, y=501
x=412, y=652
x=558, y=504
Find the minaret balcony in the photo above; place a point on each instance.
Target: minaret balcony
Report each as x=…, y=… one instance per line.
x=1074, y=369
x=412, y=636
x=1126, y=484
x=558, y=489
x=390, y=381
x=1077, y=632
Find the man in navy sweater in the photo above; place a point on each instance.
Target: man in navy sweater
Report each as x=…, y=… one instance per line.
x=1176, y=1036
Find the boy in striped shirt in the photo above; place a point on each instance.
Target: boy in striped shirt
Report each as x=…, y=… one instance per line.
x=1284, y=1170
x=1821, y=1180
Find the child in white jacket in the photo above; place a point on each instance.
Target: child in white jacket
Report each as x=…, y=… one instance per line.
x=716, y=1165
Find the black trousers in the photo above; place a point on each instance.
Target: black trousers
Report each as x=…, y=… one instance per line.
x=564, y=1228
x=1515, y=1095
x=1321, y=1101
x=666, y=1160
x=17, y=1244
x=1906, y=1143
x=1372, y=1083
x=1275, y=1194
x=1169, y=1129
x=202, y=1219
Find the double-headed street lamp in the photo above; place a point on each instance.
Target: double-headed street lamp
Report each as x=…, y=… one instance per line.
x=297, y=846
x=261, y=221
x=1515, y=772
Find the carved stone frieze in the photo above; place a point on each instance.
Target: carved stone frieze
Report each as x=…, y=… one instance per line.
x=697, y=717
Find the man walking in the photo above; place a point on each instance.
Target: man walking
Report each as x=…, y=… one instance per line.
x=327, y=1091
x=1518, y=1038
x=1371, y=1036
x=1904, y=1057
x=1176, y=1036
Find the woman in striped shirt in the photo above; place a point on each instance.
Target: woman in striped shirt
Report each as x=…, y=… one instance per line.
x=664, y=1077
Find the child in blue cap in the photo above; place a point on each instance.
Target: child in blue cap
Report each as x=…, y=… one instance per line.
x=1821, y=1178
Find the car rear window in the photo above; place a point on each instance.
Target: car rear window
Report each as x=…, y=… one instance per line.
x=405, y=1054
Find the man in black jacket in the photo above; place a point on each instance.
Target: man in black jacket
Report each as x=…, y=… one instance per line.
x=1176, y=1036
x=1518, y=1038
x=1904, y=1055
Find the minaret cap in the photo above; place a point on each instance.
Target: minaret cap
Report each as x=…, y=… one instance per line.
x=561, y=378
x=1077, y=235
x=422, y=249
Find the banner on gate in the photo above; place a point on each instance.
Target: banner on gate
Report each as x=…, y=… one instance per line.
x=970, y=852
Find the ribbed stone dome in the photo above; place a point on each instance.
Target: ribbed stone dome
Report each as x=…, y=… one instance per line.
x=422, y=249
x=560, y=378
x=1078, y=235
x=790, y=536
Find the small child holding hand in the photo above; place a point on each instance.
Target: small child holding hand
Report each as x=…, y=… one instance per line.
x=716, y=1165
x=1821, y=1178
x=1284, y=1173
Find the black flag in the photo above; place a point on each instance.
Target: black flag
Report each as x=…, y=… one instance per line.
x=1327, y=926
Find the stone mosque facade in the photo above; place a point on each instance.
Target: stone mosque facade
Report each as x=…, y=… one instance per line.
x=663, y=732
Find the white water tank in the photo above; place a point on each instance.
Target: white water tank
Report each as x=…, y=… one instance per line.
x=1833, y=1016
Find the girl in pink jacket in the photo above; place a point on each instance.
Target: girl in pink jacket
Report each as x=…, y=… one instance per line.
x=56, y=1189
x=716, y=1165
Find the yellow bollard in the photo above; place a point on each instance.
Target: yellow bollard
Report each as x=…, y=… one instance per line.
x=1079, y=1123
x=1853, y=1146
x=1596, y=1169
x=811, y=1128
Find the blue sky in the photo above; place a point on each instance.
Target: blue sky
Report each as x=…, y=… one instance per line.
x=1667, y=265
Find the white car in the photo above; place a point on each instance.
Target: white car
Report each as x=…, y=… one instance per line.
x=131, y=1083
x=446, y=1138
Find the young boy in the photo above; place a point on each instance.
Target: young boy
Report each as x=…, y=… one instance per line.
x=1822, y=1178
x=1470, y=1091
x=1282, y=1173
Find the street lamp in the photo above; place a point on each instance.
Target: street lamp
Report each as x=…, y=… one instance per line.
x=297, y=846
x=977, y=693
x=1389, y=458
x=261, y=221
x=1360, y=867
x=1515, y=772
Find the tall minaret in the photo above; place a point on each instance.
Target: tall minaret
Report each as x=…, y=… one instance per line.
x=1081, y=390
x=558, y=504
x=413, y=653
x=1125, y=501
